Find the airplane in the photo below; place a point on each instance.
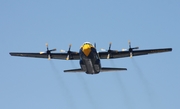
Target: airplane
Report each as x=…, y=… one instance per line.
x=89, y=58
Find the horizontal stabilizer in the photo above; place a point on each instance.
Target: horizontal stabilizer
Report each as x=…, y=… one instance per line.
x=107, y=69
x=103, y=69
x=74, y=70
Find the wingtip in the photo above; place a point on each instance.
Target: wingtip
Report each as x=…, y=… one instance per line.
x=10, y=53
x=169, y=49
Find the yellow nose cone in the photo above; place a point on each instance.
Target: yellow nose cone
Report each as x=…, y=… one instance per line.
x=86, y=49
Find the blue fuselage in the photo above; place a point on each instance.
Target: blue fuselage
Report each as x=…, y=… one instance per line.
x=91, y=63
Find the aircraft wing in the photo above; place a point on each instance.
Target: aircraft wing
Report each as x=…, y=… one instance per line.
x=122, y=54
x=63, y=56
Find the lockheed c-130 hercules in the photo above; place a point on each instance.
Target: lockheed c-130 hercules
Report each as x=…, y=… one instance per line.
x=89, y=58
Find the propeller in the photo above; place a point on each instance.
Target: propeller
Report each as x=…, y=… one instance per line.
x=69, y=52
x=94, y=45
x=130, y=49
x=109, y=50
x=48, y=52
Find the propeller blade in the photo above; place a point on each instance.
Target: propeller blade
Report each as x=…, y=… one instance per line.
x=131, y=55
x=69, y=47
x=131, y=49
x=49, y=57
x=47, y=46
x=109, y=51
x=53, y=49
x=67, y=58
x=110, y=46
x=108, y=56
x=68, y=52
x=129, y=44
x=48, y=52
x=95, y=45
x=135, y=48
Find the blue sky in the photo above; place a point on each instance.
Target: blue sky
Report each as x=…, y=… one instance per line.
x=151, y=81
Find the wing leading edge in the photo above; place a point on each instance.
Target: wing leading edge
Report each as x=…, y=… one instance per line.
x=122, y=54
x=63, y=56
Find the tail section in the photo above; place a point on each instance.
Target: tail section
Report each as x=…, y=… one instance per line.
x=103, y=69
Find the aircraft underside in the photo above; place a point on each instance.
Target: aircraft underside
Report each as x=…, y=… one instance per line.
x=91, y=63
x=88, y=66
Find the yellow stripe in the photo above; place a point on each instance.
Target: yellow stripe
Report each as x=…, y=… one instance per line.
x=86, y=48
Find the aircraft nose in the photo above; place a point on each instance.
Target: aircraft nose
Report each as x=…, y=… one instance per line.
x=86, y=49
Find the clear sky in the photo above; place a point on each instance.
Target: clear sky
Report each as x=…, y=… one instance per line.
x=151, y=81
